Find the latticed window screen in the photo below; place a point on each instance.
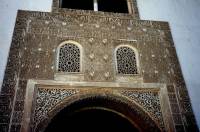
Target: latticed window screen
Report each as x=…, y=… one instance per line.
x=126, y=61
x=69, y=58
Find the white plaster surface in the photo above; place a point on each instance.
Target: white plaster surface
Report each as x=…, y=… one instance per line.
x=183, y=16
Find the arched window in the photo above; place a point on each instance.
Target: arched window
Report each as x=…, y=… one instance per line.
x=126, y=60
x=69, y=57
x=117, y=6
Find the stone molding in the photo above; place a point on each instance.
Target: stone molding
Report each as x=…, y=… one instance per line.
x=40, y=93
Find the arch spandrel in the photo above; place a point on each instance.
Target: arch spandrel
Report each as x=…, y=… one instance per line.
x=108, y=99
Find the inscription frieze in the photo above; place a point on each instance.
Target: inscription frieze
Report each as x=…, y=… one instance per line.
x=84, y=18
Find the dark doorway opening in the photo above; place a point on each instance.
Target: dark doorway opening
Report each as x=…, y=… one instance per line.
x=116, y=6
x=98, y=114
x=77, y=4
x=90, y=120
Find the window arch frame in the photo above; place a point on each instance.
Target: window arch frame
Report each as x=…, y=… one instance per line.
x=136, y=59
x=58, y=55
x=131, y=6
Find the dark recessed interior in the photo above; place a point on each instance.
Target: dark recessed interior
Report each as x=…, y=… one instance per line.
x=117, y=6
x=77, y=4
x=90, y=120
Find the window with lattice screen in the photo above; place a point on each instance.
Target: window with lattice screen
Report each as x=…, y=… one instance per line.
x=126, y=60
x=69, y=58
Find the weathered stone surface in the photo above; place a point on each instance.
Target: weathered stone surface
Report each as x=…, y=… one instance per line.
x=34, y=55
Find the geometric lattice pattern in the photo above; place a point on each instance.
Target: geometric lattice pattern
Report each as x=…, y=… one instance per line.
x=149, y=101
x=126, y=61
x=46, y=99
x=69, y=58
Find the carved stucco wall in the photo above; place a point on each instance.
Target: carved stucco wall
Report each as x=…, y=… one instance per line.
x=139, y=34
x=185, y=30
x=33, y=52
x=48, y=98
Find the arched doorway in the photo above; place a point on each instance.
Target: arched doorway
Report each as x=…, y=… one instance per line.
x=104, y=113
x=90, y=120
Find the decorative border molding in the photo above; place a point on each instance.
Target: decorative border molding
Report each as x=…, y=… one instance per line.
x=44, y=95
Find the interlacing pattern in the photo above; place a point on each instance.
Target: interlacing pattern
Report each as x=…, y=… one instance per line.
x=69, y=58
x=126, y=61
x=149, y=101
x=47, y=99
